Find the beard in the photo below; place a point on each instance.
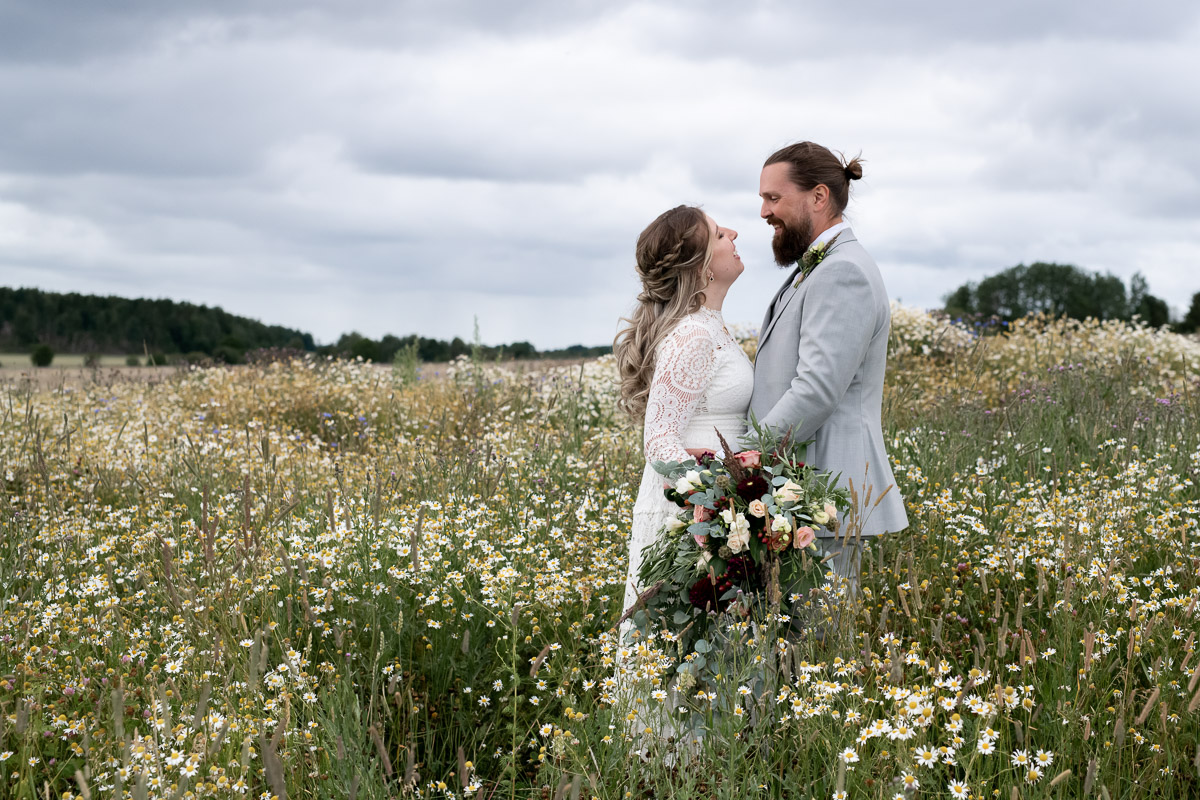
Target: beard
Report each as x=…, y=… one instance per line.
x=791, y=240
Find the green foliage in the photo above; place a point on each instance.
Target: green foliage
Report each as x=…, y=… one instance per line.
x=75, y=323
x=42, y=355
x=1057, y=290
x=310, y=575
x=196, y=357
x=438, y=351
x=355, y=345
x=78, y=323
x=132, y=361
x=1191, y=320
x=407, y=363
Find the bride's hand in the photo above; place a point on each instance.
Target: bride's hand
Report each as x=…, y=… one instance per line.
x=698, y=452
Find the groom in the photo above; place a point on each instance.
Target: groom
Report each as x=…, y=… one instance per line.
x=822, y=348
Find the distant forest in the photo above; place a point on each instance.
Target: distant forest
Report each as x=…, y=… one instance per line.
x=84, y=324
x=1064, y=290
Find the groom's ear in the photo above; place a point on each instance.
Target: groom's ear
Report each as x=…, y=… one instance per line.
x=820, y=198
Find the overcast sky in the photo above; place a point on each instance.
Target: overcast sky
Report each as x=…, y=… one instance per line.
x=406, y=167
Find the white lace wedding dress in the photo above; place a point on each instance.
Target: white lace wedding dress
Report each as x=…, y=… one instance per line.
x=702, y=384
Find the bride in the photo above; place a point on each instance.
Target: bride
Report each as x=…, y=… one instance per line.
x=683, y=376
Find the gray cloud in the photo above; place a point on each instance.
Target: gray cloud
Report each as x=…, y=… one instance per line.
x=408, y=166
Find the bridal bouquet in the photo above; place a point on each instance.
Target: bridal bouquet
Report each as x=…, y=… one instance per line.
x=744, y=539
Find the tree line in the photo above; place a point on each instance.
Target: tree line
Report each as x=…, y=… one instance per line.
x=85, y=323
x=1063, y=290
x=388, y=348
x=166, y=330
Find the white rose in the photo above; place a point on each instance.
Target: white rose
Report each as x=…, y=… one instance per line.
x=675, y=524
x=688, y=482
x=781, y=524
x=820, y=517
x=739, y=534
x=789, y=492
x=727, y=515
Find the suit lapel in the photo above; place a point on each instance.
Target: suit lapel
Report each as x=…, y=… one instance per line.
x=789, y=291
x=775, y=311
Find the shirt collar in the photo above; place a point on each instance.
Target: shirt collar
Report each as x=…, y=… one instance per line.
x=826, y=235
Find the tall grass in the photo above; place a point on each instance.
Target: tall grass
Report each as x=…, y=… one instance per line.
x=323, y=579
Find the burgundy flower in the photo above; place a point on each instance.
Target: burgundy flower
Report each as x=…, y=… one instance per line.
x=740, y=571
x=705, y=595
x=752, y=487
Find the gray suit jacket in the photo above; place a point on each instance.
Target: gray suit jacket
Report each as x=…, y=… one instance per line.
x=822, y=352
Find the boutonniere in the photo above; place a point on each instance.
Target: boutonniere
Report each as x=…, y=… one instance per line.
x=813, y=256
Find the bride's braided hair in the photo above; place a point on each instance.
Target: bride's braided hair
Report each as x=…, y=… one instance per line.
x=673, y=254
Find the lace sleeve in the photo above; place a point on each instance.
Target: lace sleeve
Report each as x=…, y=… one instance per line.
x=685, y=366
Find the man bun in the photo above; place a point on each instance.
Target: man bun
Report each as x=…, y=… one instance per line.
x=854, y=170
x=810, y=165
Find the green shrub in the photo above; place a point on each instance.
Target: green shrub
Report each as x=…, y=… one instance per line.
x=132, y=361
x=42, y=355
x=227, y=354
x=407, y=363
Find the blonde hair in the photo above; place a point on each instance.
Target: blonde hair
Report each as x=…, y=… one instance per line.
x=673, y=253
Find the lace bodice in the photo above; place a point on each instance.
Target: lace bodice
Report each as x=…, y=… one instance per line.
x=702, y=380
x=702, y=384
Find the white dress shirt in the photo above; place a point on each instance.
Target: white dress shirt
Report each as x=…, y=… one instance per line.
x=827, y=234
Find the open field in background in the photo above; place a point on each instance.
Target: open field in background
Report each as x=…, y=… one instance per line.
x=328, y=579
x=58, y=378
x=72, y=372
x=20, y=361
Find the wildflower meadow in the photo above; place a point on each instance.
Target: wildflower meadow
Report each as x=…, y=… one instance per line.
x=318, y=578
